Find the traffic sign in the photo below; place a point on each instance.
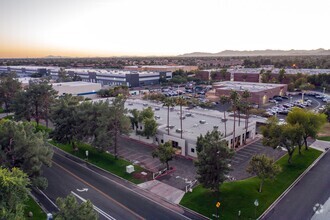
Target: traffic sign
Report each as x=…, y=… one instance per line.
x=218, y=204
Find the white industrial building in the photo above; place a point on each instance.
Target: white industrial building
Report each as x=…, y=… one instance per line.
x=79, y=88
x=196, y=122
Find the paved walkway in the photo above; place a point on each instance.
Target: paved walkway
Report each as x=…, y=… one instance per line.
x=170, y=193
x=320, y=145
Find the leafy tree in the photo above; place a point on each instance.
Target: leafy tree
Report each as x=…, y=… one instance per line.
x=266, y=76
x=21, y=146
x=181, y=102
x=64, y=118
x=114, y=121
x=326, y=111
x=135, y=114
x=150, y=127
x=69, y=208
x=264, y=167
x=22, y=106
x=9, y=87
x=285, y=135
x=213, y=160
x=310, y=122
x=168, y=102
x=146, y=113
x=165, y=153
x=281, y=75
x=13, y=193
x=41, y=95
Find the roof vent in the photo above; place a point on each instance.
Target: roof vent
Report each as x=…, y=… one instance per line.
x=178, y=130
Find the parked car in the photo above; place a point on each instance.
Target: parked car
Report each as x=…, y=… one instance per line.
x=279, y=99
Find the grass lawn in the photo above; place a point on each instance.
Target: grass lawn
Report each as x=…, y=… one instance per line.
x=32, y=206
x=106, y=161
x=324, y=138
x=240, y=195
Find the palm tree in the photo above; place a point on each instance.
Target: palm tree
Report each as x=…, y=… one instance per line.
x=168, y=102
x=246, y=95
x=234, y=98
x=224, y=100
x=181, y=102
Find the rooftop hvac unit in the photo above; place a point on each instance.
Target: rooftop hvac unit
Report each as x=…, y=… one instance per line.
x=202, y=121
x=178, y=130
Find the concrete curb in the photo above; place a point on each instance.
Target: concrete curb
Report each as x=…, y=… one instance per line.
x=290, y=187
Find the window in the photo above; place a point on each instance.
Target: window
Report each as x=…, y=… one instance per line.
x=192, y=150
x=157, y=139
x=161, y=141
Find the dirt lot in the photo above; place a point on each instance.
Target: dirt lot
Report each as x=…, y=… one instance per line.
x=325, y=131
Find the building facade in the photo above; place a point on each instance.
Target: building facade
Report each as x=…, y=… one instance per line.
x=260, y=92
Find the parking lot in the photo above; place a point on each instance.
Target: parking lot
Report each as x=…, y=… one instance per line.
x=282, y=107
x=242, y=157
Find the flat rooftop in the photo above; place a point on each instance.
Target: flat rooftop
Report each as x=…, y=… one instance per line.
x=274, y=70
x=74, y=84
x=192, y=128
x=241, y=86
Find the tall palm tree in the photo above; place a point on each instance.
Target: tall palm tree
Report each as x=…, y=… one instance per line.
x=234, y=99
x=246, y=95
x=224, y=100
x=181, y=102
x=168, y=102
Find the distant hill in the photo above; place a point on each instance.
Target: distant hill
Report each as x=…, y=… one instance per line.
x=225, y=53
x=54, y=57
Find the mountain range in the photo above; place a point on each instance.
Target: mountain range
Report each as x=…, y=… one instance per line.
x=234, y=53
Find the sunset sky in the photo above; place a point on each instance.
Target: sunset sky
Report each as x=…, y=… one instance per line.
x=37, y=28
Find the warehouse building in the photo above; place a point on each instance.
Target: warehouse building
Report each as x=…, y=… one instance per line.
x=260, y=92
x=161, y=68
x=85, y=89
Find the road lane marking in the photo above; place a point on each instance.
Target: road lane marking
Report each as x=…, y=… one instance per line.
x=98, y=190
x=127, y=188
x=106, y=215
x=82, y=190
x=48, y=198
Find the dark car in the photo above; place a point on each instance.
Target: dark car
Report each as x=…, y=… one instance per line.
x=284, y=97
x=279, y=99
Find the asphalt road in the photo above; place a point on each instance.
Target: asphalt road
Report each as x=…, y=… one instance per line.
x=113, y=200
x=313, y=188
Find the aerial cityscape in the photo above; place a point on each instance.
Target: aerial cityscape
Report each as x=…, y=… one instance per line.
x=119, y=110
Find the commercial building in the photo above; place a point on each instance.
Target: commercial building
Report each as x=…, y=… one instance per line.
x=196, y=122
x=260, y=92
x=86, y=89
x=160, y=68
x=110, y=77
x=120, y=77
x=27, y=71
x=252, y=74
